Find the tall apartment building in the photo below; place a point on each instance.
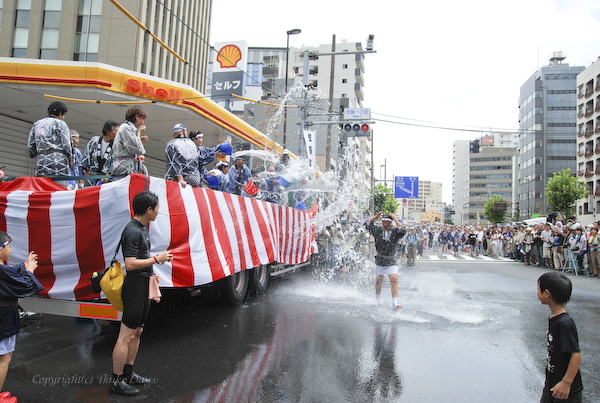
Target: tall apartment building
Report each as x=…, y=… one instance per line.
x=588, y=141
x=95, y=31
x=482, y=170
x=547, y=125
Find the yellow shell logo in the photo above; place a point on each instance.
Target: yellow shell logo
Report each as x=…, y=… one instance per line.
x=229, y=56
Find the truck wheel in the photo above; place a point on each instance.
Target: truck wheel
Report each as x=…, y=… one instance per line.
x=259, y=280
x=233, y=288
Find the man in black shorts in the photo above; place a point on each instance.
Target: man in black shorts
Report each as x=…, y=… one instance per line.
x=138, y=263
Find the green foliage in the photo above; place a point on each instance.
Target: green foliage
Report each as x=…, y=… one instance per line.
x=385, y=200
x=563, y=190
x=492, y=216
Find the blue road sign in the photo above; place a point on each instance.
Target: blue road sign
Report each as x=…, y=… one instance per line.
x=406, y=187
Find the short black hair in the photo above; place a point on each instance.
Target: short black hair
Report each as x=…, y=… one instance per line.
x=4, y=237
x=57, y=108
x=558, y=284
x=108, y=126
x=142, y=201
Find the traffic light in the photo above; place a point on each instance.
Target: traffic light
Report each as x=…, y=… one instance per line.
x=357, y=129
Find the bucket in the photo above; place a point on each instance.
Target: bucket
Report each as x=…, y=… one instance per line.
x=212, y=181
x=225, y=148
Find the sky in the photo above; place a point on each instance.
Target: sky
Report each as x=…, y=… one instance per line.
x=452, y=64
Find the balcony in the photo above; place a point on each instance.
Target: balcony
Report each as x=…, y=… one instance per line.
x=580, y=133
x=580, y=153
x=597, y=129
x=580, y=94
x=597, y=171
x=580, y=172
x=589, y=131
x=597, y=148
x=589, y=112
x=589, y=152
x=597, y=84
x=597, y=106
x=588, y=91
x=589, y=172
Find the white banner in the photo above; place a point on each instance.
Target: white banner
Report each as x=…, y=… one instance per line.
x=311, y=147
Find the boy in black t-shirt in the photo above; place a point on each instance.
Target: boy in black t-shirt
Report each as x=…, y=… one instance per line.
x=563, y=378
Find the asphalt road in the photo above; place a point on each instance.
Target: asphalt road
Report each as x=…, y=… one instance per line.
x=469, y=331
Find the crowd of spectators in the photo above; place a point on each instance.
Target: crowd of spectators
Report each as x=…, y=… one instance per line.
x=555, y=244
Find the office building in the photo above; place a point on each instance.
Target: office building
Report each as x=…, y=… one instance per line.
x=547, y=126
x=482, y=170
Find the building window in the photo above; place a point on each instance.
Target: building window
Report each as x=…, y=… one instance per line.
x=344, y=80
x=51, y=25
x=87, y=33
x=344, y=66
x=253, y=77
x=22, y=28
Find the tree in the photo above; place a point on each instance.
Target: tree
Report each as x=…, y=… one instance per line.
x=563, y=190
x=494, y=216
x=385, y=200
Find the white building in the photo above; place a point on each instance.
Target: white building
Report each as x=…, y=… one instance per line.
x=427, y=206
x=482, y=169
x=588, y=141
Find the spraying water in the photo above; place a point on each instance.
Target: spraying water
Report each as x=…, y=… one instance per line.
x=342, y=198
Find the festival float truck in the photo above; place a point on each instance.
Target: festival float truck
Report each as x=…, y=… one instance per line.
x=223, y=244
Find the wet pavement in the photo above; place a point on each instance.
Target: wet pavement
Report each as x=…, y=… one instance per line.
x=469, y=331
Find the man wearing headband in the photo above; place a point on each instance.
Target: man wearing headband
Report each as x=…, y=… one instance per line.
x=205, y=154
x=386, y=245
x=218, y=178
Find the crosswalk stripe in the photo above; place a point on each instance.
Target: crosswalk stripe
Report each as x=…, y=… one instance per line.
x=434, y=258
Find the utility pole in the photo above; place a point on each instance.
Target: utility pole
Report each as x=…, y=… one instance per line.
x=331, y=84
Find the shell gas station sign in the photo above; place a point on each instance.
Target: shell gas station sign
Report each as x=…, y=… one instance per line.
x=229, y=67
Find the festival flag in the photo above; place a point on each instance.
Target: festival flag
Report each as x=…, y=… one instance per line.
x=250, y=188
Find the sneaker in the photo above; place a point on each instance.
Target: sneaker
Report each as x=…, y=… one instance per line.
x=122, y=388
x=136, y=379
x=396, y=307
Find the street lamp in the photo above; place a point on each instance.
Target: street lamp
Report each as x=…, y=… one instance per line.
x=287, y=59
